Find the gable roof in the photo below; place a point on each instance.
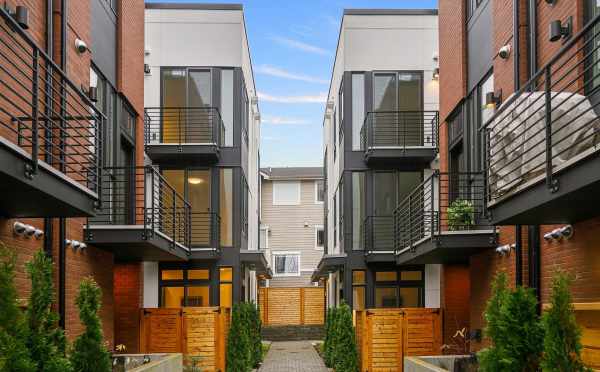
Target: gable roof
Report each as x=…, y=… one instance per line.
x=292, y=173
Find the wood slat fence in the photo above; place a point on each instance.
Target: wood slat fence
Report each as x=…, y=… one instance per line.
x=194, y=331
x=385, y=336
x=292, y=306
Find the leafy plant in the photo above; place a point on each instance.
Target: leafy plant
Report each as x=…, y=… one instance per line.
x=14, y=355
x=345, y=357
x=514, y=329
x=562, y=338
x=461, y=215
x=89, y=353
x=46, y=341
x=329, y=342
x=254, y=326
x=238, y=356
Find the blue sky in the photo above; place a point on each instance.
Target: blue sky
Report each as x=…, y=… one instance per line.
x=292, y=43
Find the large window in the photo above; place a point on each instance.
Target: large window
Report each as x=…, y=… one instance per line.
x=226, y=206
x=319, y=191
x=399, y=288
x=226, y=286
x=184, y=287
x=358, y=108
x=286, y=193
x=358, y=209
x=390, y=188
x=264, y=237
x=286, y=263
x=319, y=237
x=227, y=104
x=359, y=287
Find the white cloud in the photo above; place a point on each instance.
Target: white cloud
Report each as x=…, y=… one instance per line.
x=279, y=72
x=319, y=98
x=281, y=120
x=295, y=44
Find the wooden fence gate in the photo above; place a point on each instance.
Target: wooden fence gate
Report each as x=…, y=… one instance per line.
x=292, y=306
x=194, y=331
x=385, y=336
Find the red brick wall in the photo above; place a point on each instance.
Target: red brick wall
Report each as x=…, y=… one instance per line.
x=128, y=301
x=456, y=283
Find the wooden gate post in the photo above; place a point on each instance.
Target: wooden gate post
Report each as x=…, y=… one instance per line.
x=301, y=306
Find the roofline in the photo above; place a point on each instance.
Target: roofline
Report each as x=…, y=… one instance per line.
x=390, y=12
x=195, y=6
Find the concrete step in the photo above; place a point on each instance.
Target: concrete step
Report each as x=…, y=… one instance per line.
x=293, y=333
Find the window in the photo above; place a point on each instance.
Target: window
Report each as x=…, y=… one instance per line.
x=319, y=192
x=226, y=286
x=359, y=284
x=341, y=112
x=127, y=120
x=472, y=5
x=399, y=288
x=226, y=206
x=358, y=108
x=245, y=196
x=319, y=237
x=358, y=210
x=286, y=263
x=335, y=219
x=227, y=105
x=264, y=237
x=245, y=112
x=341, y=209
x=187, y=286
x=334, y=135
x=286, y=193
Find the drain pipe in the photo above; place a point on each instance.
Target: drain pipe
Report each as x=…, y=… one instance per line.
x=532, y=39
x=516, y=44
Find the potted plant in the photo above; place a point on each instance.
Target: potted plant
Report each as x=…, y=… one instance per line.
x=461, y=215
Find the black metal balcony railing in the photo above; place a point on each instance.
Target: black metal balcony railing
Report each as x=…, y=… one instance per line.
x=183, y=125
x=141, y=196
x=551, y=123
x=206, y=227
x=444, y=202
x=43, y=112
x=403, y=129
x=379, y=233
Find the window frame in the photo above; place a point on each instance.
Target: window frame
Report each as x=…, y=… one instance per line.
x=287, y=203
x=184, y=283
x=317, y=201
x=266, y=229
x=317, y=229
x=399, y=283
x=286, y=253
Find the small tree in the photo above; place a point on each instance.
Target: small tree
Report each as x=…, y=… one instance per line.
x=345, y=353
x=514, y=329
x=329, y=342
x=255, y=336
x=14, y=355
x=89, y=353
x=562, y=337
x=238, y=358
x=46, y=342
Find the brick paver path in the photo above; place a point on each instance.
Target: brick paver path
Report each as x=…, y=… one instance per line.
x=292, y=356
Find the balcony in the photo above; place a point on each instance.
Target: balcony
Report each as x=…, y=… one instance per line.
x=205, y=236
x=141, y=218
x=443, y=220
x=409, y=137
x=542, y=162
x=174, y=134
x=49, y=147
x=378, y=234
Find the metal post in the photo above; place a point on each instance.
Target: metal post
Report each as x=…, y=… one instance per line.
x=410, y=221
x=152, y=202
x=548, y=101
x=433, y=227
x=174, y=216
x=35, y=115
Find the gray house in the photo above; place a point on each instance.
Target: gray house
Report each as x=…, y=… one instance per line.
x=292, y=229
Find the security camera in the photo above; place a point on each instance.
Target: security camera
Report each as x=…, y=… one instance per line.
x=556, y=234
x=38, y=233
x=81, y=46
x=19, y=228
x=82, y=246
x=29, y=230
x=567, y=231
x=504, y=52
x=75, y=244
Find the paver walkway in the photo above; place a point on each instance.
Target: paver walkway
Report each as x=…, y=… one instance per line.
x=292, y=356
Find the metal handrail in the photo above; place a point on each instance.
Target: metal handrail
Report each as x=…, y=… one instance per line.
x=183, y=125
x=401, y=129
x=552, y=122
x=378, y=233
x=44, y=113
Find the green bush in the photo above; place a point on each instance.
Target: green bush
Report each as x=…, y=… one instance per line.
x=514, y=329
x=461, y=215
x=345, y=355
x=46, y=341
x=89, y=353
x=14, y=355
x=255, y=336
x=244, y=343
x=329, y=342
x=562, y=337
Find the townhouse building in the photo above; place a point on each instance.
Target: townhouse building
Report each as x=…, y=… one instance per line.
x=292, y=232
x=518, y=106
x=381, y=141
x=71, y=103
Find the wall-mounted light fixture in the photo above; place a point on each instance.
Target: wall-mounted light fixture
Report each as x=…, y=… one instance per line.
x=436, y=73
x=21, y=229
x=147, y=69
x=558, y=30
x=93, y=94
x=20, y=14
x=493, y=99
x=504, y=250
x=504, y=52
x=565, y=232
x=75, y=244
x=435, y=56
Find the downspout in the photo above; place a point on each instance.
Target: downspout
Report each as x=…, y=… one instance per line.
x=48, y=224
x=516, y=44
x=535, y=263
x=532, y=39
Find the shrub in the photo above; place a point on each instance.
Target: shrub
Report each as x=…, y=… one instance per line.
x=89, y=353
x=345, y=357
x=461, y=215
x=46, y=342
x=238, y=357
x=562, y=337
x=514, y=329
x=329, y=342
x=255, y=336
x=14, y=355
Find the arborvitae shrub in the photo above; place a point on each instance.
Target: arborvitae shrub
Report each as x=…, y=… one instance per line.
x=514, y=329
x=14, y=354
x=562, y=336
x=329, y=342
x=255, y=336
x=238, y=357
x=46, y=342
x=89, y=353
x=345, y=357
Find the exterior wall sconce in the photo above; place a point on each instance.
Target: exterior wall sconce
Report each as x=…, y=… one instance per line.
x=504, y=250
x=436, y=73
x=559, y=31
x=565, y=232
x=20, y=14
x=75, y=244
x=22, y=229
x=493, y=99
x=93, y=94
x=147, y=69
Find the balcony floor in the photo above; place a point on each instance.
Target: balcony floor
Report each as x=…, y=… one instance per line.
x=448, y=247
x=50, y=193
x=165, y=152
x=378, y=155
